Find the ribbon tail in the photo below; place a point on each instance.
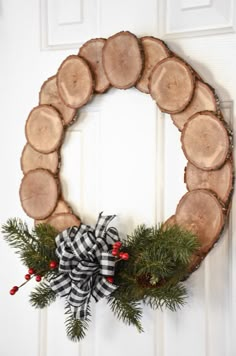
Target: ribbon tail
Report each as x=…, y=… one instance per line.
x=102, y=288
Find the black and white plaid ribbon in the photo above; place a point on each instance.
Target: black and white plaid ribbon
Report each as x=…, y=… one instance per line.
x=84, y=262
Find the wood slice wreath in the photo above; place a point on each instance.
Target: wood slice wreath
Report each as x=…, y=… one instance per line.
x=124, y=61
x=77, y=261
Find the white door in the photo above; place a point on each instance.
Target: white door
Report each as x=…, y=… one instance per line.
x=122, y=156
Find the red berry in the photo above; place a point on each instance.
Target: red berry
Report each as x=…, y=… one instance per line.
x=124, y=256
x=27, y=277
x=12, y=291
x=114, y=252
x=15, y=288
x=110, y=279
x=117, y=245
x=38, y=278
x=31, y=271
x=53, y=264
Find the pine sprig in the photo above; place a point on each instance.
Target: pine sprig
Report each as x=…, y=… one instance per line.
x=75, y=328
x=42, y=296
x=129, y=312
x=36, y=248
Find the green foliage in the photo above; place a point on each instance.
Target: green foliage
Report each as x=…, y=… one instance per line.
x=159, y=260
x=128, y=312
x=75, y=328
x=36, y=248
x=42, y=296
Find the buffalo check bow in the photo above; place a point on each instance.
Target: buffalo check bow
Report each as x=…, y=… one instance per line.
x=84, y=262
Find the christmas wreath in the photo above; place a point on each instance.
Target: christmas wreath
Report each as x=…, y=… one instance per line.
x=79, y=262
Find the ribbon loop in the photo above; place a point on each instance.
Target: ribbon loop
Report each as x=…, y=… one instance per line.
x=84, y=262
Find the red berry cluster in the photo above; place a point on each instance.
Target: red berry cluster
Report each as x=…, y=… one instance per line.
x=31, y=273
x=116, y=253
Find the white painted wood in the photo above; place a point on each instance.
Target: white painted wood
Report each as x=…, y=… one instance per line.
x=67, y=24
x=188, y=18
x=122, y=156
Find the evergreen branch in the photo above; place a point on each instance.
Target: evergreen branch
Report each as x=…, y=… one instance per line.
x=42, y=296
x=128, y=311
x=16, y=234
x=75, y=328
x=170, y=296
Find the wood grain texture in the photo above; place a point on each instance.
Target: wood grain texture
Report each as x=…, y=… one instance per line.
x=91, y=51
x=200, y=211
x=49, y=95
x=31, y=159
x=39, y=192
x=75, y=82
x=205, y=141
x=63, y=221
x=219, y=181
x=154, y=50
x=203, y=99
x=122, y=60
x=171, y=85
x=44, y=129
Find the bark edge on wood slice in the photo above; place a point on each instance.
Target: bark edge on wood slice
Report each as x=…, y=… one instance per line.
x=44, y=129
x=172, y=84
x=91, y=51
x=122, y=60
x=219, y=181
x=39, y=192
x=200, y=212
x=75, y=82
x=205, y=141
x=155, y=50
x=63, y=221
x=49, y=95
x=31, y=159
x=203, y=99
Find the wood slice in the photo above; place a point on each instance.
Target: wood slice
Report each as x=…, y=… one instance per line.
x=75, y=82
x=44, y=129
x=62, y=207
x=91, y=51
x=122, y=60
x=39, y=193
x=63, y=221
x=201, y=212
x=203, y=99
x=205, y=141
x=170, y=222
x=49, y=95
x=219, y=181
x=155, y=50
x=31, y=159
x=172, y=85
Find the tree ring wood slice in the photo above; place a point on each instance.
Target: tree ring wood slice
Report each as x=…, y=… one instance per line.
x=171, y=85
x=122, y=60
x=44, y=129
x=203, y=99
x=39, y=193
x=31, y=159
x=62, y=207
x=155, y=50
x=91, y=51
x=219, y=181
x=75, y=82
x=63, y=221
x=201, y=212
x=49, y=95
x=205, y=141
